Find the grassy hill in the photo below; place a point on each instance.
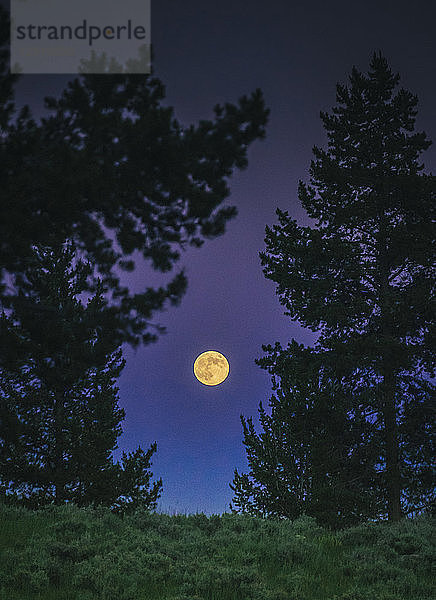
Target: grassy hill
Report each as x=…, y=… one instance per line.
x=67, y=553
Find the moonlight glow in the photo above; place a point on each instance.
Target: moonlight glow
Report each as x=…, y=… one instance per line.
x=211, y=368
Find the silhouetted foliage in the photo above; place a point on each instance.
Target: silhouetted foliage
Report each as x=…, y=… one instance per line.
x=113, y=170
x=315, y=454
x=134, y=481
x=363, y=278
x=59, y=413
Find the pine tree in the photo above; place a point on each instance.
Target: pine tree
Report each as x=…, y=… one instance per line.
x=134, y=480
x=112, y=169
x=59, y=413
x=315, y=455
x=362, y=275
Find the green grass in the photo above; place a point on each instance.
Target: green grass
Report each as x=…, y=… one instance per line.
x=68, y=553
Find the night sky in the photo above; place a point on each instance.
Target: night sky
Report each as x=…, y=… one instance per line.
x=209, y=53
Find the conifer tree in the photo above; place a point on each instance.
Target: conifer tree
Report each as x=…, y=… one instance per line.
x=363, y=277
x=112, y=169
x=59, y=413
x=314, y=455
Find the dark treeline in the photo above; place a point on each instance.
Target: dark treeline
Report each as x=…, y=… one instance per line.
x=350, y=435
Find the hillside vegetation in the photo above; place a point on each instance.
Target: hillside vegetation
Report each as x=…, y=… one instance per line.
x=67, y=553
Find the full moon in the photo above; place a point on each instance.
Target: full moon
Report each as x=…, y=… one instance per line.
x=211, y=367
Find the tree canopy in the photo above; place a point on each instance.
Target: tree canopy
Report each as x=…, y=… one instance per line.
x=113, y=170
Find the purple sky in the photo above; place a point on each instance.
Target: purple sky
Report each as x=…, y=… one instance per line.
x=207, y=53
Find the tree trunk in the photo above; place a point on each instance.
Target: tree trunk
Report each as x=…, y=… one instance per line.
x=392, y=451
x=58, y=450
x=388, y=372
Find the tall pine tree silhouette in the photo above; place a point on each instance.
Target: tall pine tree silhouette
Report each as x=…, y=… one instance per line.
x=59, y=413
x=363, y=278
